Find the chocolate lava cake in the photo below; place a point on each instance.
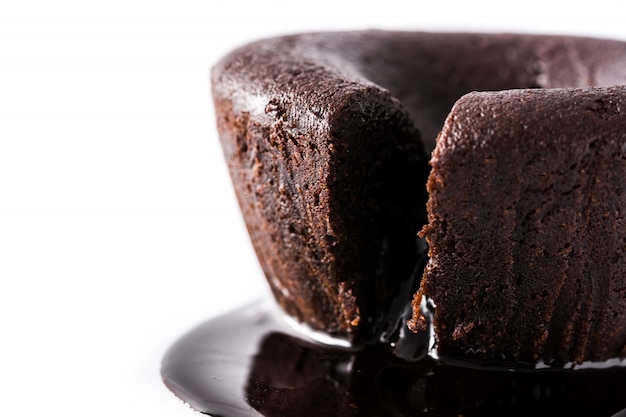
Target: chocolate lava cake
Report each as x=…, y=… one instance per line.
x=327, y=137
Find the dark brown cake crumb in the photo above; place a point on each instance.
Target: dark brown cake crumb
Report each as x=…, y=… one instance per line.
x=327, y=137
x=324, y=166
x=527, y=226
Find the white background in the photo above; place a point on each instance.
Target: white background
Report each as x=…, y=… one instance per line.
x=118, y=227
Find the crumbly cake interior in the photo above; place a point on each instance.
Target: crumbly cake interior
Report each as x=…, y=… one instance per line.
x=328, y=138
x=527, y=228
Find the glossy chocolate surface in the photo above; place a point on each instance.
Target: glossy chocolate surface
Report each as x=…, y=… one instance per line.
x=251, y=363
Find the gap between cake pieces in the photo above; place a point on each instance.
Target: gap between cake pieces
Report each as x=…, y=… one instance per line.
x=506, y=153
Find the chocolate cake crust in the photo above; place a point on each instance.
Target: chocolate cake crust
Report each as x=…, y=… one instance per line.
x=324, y=166
x=327, y=137
x=527, y=227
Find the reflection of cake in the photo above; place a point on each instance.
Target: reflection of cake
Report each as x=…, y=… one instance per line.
x=288, y=377
x=320, y=132
x=248, y=363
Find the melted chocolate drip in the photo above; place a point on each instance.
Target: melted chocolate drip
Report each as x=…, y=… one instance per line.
x=250, y=363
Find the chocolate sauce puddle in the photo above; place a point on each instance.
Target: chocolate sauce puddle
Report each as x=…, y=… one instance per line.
x=251, y=363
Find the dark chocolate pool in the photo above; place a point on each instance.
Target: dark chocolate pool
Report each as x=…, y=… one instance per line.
x=250, y=362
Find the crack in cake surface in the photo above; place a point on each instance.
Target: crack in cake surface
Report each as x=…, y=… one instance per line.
x=327, y=137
